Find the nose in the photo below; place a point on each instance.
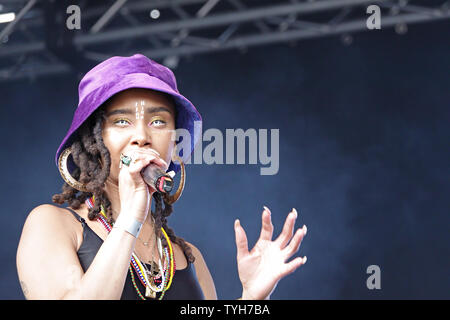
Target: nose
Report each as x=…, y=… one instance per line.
x=141, y=137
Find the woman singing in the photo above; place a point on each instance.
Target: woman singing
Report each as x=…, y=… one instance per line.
x=107, y=243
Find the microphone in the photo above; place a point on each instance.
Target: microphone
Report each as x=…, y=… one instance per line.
x=161, y=181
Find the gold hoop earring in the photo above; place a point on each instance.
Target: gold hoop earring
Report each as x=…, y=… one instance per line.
x=65, y=174
x=171, y=199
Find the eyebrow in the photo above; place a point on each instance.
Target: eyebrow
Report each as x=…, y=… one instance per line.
x=131, y=111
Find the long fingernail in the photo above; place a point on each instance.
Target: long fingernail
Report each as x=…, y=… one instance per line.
x=295, y=212
x=267, y=209
x=305, y=229
x=304, y=259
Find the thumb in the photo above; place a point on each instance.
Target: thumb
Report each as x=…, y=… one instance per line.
x=241, y=239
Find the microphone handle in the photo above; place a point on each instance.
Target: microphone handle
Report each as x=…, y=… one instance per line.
x=157, y=178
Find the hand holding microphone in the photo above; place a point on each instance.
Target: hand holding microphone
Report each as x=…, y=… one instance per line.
x=154, y=176
x=144, y=175
x=141, y=173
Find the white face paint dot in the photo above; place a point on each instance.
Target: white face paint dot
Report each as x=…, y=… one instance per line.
x=142, y=109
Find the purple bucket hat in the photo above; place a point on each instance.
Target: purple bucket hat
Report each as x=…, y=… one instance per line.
x=117, y=74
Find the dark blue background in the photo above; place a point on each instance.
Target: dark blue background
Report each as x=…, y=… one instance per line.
x=364, y=157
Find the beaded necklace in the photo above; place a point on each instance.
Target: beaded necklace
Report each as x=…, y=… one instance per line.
x=161, y=282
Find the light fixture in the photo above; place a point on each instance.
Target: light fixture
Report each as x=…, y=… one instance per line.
x=7, y=17
x=154, y=14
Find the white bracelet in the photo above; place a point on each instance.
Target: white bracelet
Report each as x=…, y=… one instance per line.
x=129, y=224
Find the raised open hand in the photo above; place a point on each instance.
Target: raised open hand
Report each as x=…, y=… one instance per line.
x=266, y=264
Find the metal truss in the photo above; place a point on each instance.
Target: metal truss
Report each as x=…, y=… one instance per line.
x=39, y=43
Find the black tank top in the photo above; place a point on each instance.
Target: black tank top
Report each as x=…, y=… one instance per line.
x=184, y=286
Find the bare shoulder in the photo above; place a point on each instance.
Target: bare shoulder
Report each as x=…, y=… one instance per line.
x=203, y=274
x=47, y=248
x=48, y=221
x=44, y=212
